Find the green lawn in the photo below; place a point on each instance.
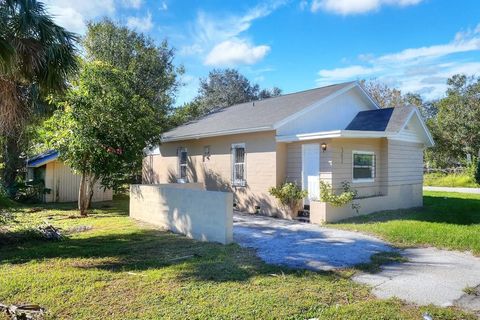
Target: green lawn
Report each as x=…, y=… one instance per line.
x=123, y=270
x=448, y=220
x=449, y=180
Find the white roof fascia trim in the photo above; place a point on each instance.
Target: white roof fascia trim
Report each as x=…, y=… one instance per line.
x=363, y=134
x=313, y=106
x=154, y=151
x=367, y=95
x=309, y=136
x=333, y=134
x=424, y=126
x=216, y=134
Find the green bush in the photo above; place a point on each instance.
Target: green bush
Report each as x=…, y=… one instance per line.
x=31, y=192
x=338, y=200
x=5, y=202
x=450, y=180
x=477, y=172
x=289, y=195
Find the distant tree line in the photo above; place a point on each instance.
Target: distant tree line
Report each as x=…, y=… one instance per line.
x=222, y=88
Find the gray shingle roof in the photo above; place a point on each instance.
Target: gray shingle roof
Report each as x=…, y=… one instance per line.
x=254, y=116
x=388, y=119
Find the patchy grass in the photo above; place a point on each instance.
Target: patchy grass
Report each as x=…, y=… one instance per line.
x=447, y=220
x=379, y=259
x=449, y=180
x=120, y=269
x=471, y=291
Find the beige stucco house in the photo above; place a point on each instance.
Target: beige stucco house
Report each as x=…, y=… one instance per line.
x=335, y=133
x=60, y=180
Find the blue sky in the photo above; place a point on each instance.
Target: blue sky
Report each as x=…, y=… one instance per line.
x=414, y=45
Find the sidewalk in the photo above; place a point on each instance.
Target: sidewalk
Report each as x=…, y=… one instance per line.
x=450, y=189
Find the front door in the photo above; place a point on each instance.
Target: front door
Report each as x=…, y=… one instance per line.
x=310, y=171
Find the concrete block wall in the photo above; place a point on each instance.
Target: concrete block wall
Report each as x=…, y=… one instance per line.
x=185, y=209
x=399, y=197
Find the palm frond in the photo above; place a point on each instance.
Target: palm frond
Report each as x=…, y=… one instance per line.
x=35, y=54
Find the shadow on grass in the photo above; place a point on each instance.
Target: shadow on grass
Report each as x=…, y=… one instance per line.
x=148, y=250
x=379, y=259
x=437, y=209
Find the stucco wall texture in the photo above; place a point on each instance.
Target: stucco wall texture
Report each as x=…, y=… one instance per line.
x=397, y=184
x=265, y=163
x=186, y=209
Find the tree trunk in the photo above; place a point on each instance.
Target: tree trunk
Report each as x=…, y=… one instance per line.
x=12, y=162
x=91, y=184
x=82, y=195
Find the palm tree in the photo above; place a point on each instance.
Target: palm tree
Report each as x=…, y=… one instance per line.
x=36, y=58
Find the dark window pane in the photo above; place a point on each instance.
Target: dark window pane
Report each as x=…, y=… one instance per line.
x=240, y=155
x=183, y=157
x=363, y=159
x=239, y=166
x=183, y=172
x=362, y=173
x=239, y=172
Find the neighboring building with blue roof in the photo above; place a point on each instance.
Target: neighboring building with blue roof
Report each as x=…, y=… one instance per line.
x=60, y=179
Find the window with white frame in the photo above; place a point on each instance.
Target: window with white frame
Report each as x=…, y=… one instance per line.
x=238, y=165
x=363, y=166
x=182, y=164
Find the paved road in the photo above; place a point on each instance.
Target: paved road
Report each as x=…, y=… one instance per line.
x=449, y=189
x=430, y=275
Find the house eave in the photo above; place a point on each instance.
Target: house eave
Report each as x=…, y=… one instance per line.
x=40, y=162
x=215, y=134
x=333, y=134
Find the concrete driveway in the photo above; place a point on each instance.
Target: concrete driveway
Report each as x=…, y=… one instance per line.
x=431, y=276
x=304, y=245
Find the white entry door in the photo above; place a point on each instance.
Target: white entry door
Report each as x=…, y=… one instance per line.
x=310, y=171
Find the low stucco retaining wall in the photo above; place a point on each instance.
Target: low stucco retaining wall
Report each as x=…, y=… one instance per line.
x=186, y=209
x=399, y=197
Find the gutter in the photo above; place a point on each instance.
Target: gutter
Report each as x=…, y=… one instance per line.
x=215, y=134
x=333, y=134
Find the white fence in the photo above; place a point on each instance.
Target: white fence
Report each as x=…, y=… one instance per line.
x=186, y=209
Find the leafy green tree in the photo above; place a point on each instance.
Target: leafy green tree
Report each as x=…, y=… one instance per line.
x=152, y=73
x=456, y=128
x=224, y=88
x=477, y=172
x=385, y=96
x=102, y=128
x=266, y=93
x=197, y=108
x=36, y=58
x=187, y=112
x=154, y=76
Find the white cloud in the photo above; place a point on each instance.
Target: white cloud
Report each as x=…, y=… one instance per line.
x=346, y=7
x=73, y=14
x=423, y=70
x=433, y=51
x=136, y=4
x=213, y=33
x=142, y=24
x=341, y=74
x=163, y=6
x=234, y=52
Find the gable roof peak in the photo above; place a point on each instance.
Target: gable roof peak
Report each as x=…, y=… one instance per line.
x=260, y=115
